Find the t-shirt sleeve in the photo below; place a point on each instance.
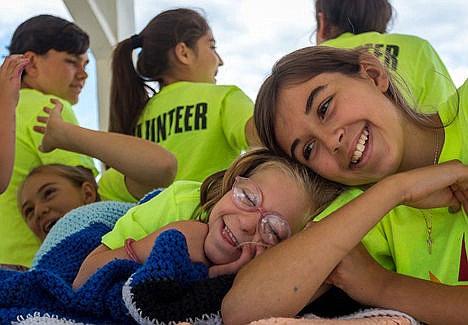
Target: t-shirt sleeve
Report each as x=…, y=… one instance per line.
x=175, y=203
x=58, y=155
x=437, y=84
x=112, y=187
x=236, y=110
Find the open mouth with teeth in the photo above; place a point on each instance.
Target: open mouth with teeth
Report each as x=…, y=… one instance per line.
x=360, y=147
x=229, y=236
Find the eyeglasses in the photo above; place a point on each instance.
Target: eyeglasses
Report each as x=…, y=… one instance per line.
x=272, y=226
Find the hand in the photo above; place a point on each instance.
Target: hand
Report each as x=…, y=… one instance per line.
x=54, y=124
x=440, y=185
x=10, y=80
x=230, y=268
x=359, y=275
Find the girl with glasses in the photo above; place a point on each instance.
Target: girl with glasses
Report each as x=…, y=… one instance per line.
x=260, y=201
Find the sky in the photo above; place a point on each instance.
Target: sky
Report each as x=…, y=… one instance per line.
x=251, y=35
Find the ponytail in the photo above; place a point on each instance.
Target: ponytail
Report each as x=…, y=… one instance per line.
x=128, y=90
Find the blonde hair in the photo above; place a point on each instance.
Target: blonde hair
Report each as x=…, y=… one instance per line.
x=320, y=191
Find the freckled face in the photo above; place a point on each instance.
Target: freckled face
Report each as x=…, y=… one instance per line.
x=342, y=127
x=230, y=226
x=45, y=199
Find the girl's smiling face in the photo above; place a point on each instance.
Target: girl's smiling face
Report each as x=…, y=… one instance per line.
x=45, y=198
x=342, y=127
x=231, y=227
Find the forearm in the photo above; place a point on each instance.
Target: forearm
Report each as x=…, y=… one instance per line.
x=427, y=301
x=143, y=161
x=7, y=147
x=281, y=281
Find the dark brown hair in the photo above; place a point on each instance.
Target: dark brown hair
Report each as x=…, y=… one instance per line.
x=355, y=16
x=42, y=33
x=305, y=64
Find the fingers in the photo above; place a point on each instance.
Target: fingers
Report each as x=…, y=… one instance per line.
x=246, y=256
x=40, y=129
x=14, y=65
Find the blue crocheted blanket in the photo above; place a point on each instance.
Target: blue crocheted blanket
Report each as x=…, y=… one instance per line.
x=167, y=288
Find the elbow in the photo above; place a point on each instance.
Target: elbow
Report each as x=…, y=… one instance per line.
x=230, y=310
x=170, y=171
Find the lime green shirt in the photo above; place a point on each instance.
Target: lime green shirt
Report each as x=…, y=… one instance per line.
x=411, y=58
x=175, y=203
x=399, y=241
x=202, y=124
x=112, y=187
x=18, y=244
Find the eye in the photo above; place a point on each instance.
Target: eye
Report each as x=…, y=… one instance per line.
x=323, y=108
x=269, y=234
x=28, y=212
x=248, y=198
x=308, y=148
x=49, y=193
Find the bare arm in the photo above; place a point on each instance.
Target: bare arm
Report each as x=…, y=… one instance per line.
x=361, y=277
x=265, y=287
x=194, y=231
x=145, y=164
x=10, y=80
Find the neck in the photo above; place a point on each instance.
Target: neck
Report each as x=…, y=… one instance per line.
x=423, y=145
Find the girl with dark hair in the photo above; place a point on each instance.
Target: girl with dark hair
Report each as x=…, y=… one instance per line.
x=338, y=112
x=206, y=126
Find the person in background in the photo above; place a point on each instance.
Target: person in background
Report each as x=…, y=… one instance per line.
x=353, y=23
x=50, y=191
x=205, y=125
x=57, y=53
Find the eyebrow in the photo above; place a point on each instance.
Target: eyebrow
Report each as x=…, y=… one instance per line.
x=39, y=191
x=313, y=94
x=310, y=100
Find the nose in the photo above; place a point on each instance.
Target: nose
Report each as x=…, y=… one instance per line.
x=41, y=210
x=334, y=141
x=220, y=61
x=248, y=223
x=81, y=73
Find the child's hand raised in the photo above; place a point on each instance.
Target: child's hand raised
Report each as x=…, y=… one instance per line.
x=54, y=124
x=10, y=80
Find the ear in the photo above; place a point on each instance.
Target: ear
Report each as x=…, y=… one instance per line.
x=323, y=28
x=32, y=69
x=89, y=193
x=183, y=53
x=372, y=68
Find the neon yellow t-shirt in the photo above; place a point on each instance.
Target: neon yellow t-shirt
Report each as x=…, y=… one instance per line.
x=112, y=187
x=399, y=241
x=412, y=58
x=18, y=244
x=202, y=124
x=175, y=203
